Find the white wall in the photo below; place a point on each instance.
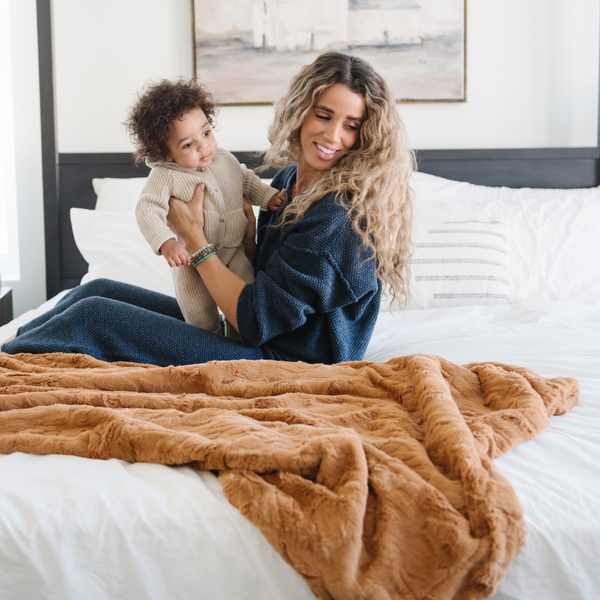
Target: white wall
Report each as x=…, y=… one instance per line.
x=30, y=291
x=532, y=79
x=532, y=75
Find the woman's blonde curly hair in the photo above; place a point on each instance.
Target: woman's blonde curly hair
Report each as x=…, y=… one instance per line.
x=372, y=179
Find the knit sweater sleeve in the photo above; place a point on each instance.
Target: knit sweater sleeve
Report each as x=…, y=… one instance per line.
x=317, y=269
x=256, y=191
x=152, y=208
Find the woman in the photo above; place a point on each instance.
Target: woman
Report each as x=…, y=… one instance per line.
x=320, y=261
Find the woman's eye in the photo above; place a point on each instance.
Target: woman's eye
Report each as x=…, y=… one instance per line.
x=323, y=117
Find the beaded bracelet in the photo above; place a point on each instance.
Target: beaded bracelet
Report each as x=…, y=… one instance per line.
x=196, y=254
x=202, y=254
x=195, y=264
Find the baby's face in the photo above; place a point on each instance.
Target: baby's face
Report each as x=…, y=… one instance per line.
x=191, y=142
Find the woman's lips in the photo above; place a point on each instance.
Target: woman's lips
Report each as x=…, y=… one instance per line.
x=325, y=153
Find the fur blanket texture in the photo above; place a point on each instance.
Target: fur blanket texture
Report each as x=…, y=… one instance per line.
x=373, y=480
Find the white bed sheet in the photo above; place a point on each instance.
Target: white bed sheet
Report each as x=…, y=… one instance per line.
x=72, y=528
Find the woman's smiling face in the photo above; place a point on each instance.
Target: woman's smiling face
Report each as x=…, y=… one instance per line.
x=330, y=129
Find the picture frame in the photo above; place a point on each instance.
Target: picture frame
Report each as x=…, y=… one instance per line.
x=246, y=51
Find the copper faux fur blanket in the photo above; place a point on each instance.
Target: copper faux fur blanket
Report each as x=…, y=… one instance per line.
x=373, y=480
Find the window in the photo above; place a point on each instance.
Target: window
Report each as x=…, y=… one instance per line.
x=9, y=241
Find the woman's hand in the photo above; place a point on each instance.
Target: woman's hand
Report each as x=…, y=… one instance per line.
x=186, y=219
x=249, y=241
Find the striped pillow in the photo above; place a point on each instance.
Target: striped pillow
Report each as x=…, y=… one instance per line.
x=458, y=263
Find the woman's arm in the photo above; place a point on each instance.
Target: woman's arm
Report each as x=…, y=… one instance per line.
x=312, y=273
x=223, y=285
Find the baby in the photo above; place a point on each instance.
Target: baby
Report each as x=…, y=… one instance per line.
x=171, y=128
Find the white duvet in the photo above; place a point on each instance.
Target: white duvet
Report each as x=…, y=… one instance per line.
x=74, y=528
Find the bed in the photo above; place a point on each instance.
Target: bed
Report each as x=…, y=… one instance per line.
x=522, y=287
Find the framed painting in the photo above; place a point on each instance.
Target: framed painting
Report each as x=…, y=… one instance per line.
x=246, y=51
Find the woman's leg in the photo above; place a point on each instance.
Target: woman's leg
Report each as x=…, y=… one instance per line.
x=113, y=330
x=116, y=290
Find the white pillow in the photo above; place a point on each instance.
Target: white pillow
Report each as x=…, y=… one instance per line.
x=118, y=195
x=555, y=248
x=459, y=263
x=553, y=244
x=114, y=247
x=461, y=256
x=429, y=188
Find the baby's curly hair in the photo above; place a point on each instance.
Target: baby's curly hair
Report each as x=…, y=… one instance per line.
x=150, y=119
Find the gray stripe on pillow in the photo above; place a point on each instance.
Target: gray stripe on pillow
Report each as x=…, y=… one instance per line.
x=427, y=261
x=460, y=278
x=473, y=221
x=478, y=231
x=451, y=296
x=463, y=245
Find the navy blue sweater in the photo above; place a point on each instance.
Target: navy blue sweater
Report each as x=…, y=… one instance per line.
x=315, y=298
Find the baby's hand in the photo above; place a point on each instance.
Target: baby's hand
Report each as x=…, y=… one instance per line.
x=175, y=253
x=276, y=201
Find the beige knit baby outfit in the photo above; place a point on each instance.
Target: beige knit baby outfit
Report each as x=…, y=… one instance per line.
x=226, y=182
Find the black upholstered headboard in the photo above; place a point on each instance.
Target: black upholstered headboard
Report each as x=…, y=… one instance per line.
x=68, y=177
x=514, y=168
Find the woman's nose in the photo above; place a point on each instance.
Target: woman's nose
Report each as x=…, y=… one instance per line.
x=333, y=132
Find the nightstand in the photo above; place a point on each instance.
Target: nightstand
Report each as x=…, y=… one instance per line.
x=6, y=305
